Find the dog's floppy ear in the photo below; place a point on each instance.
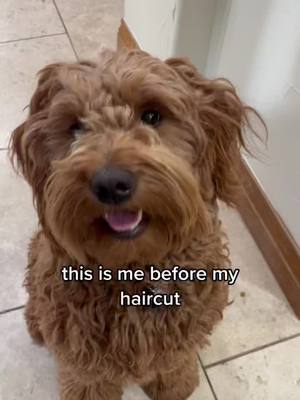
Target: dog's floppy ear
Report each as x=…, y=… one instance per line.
x=26, y=140
x=27, y=148
x=48, y=86
x=224, y=119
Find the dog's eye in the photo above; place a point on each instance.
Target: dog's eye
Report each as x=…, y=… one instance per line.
x=77, y=128
x=151, y=117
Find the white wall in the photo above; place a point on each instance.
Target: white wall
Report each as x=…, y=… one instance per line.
x=193, y=29
x=168, y=28
x=261, y=55
x=152, y=23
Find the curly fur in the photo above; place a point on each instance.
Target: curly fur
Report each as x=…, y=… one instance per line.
x=184, y=165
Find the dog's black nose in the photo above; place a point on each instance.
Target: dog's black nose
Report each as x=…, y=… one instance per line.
x=113, y=185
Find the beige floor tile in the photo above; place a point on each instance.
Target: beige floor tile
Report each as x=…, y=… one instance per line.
x=27, y=371
x=28, y=18
x=260, y=313
x=92, y=24
x=20, y=61
x=269, y=374
x=17, y=222
x=134, y=393
x=235, y=227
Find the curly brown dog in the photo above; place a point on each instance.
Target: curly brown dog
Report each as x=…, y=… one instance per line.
x=126, y=158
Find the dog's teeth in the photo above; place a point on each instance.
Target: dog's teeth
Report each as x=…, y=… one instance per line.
x=122, y=221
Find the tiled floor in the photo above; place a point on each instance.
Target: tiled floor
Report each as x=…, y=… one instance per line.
x=255, y=353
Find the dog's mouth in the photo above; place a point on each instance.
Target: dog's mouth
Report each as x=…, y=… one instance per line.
x=124, y=224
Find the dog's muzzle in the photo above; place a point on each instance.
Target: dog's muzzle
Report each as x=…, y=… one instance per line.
x=114, y=186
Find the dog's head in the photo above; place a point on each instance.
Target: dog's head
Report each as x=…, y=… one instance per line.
x=126, y=156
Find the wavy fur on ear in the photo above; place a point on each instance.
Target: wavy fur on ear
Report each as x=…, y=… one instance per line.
x=225, y=119
x=26, y=139
x=27, y=148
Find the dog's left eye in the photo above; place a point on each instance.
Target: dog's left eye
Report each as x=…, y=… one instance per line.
x=151, y=117
x=77, y=128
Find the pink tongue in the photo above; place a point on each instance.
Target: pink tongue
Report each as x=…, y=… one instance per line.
x=122, y=221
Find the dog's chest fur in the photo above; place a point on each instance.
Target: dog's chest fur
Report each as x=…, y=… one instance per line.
x=84, y=324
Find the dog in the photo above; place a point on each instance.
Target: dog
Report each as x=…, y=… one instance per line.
x=127, y=158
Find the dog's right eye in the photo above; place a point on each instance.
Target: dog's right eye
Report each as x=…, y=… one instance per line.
x=151, y=117
x=77, y=128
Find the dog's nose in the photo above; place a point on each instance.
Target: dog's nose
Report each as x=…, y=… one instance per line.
x=113, y=185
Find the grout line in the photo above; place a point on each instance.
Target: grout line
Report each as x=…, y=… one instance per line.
x=3, y=148
x=65, y=28
x=257, y=349
x=11, y=309
x=32, y=37
x=208, y=379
